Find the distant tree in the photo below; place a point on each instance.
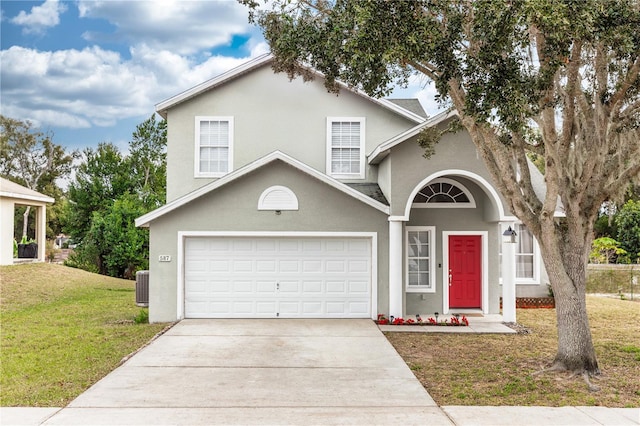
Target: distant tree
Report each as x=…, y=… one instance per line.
x=628, y=225
x=557, y=78
x=109, y=192
x=31, y=158
x=604, y=250
x=148, y=161
x=100, y=179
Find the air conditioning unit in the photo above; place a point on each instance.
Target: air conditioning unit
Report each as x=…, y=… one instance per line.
x=142, y=288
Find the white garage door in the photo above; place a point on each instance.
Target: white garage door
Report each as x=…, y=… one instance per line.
x=236, y=277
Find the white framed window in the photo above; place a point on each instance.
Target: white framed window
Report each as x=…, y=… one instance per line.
x=527, y=256
x=421, y=251
x=345, y=147
x=213, y=146
x=444, y=193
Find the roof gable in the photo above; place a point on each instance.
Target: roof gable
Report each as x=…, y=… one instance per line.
x=383, y=149
x=11, y=189
x=261, y=61
x=144, y=221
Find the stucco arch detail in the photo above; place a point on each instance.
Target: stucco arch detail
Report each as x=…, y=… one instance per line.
x=482, y=182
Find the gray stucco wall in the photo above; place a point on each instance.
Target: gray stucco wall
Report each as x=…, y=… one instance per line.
x=271, y=113
x=234, y=208
x=409, y=168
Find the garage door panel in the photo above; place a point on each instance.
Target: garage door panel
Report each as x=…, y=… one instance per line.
x=277, y=277
x=336, y=266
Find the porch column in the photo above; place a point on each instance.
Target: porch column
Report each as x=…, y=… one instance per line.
x=41, y=231
x=508, y=279
x=395, y=267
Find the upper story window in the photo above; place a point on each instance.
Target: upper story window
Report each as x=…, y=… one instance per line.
x=345, y=147
x=444, y=193
x=214, y=146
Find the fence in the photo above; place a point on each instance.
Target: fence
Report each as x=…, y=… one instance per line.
x=614, y=279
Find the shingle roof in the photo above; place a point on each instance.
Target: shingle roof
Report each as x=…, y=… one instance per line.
x=412, y=105
x=371, y=190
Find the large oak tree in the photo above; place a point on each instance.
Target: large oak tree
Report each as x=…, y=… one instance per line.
x=550, y=77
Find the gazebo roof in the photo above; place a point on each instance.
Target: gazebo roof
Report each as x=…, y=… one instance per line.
x=10, y=189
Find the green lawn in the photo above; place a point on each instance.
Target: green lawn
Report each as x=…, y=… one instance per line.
x=63, y=329
x=472, y=369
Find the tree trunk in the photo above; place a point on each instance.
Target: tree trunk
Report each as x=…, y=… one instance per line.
x=567, y=275
x=25, y=221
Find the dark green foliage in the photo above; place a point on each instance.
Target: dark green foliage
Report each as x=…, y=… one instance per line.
x=110, y=191
x=628, y=223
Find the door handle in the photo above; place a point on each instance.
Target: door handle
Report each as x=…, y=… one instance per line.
x=450, y=277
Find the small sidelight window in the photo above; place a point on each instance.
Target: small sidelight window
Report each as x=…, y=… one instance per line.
x=420, y=259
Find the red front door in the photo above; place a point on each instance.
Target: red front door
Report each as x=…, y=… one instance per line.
x=465, y=283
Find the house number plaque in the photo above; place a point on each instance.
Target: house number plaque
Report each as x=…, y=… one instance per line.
x=164, y=258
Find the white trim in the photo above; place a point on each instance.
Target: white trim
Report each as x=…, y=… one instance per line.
x=243, y=171
x=537, y=258
x=396, y=293
x=329, y=162
x=382, y=150
x=163, y=107
x=289, y=202
x=196, y=158
x=484, y=236
x=23, y=197
x=183, y=235
x=432, y=259
x=462, y=205
x=488, y=189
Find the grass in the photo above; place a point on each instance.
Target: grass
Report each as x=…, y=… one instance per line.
x=63, y=329
x=464, y=369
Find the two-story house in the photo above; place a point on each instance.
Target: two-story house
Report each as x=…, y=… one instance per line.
x=284, y=200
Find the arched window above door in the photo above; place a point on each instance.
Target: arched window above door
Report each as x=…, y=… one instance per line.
x=444, y=193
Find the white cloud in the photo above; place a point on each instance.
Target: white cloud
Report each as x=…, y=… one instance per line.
x=182, y=27
x=96, y=87
x=41, y=17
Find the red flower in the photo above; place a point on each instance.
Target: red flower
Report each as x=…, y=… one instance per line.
x=465, y=321
x=398, y=321
x=410, y=321
x=432, y=321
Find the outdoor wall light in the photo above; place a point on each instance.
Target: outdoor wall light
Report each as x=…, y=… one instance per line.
x=509, y=236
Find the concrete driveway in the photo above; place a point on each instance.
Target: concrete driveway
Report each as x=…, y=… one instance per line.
x=260, y=372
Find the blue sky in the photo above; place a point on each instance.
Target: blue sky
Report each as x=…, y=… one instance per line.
x=90, y=71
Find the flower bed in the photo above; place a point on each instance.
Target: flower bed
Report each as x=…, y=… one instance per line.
x=455, y=321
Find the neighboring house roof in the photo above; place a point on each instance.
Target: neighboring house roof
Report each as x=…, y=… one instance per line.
x=243, y=171
x=11, y=189
x=410, y=104
x=384, y=148
x=258, y=62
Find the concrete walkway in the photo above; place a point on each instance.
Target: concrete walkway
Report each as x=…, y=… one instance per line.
x=268, y=372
